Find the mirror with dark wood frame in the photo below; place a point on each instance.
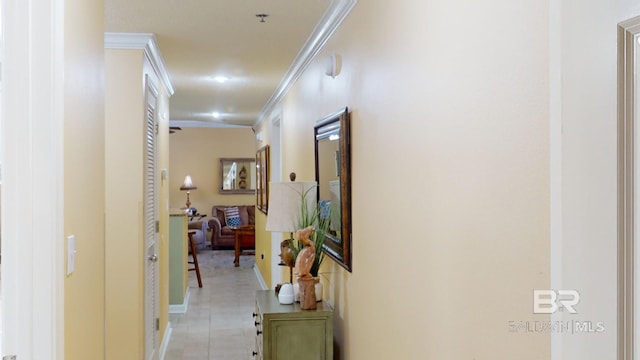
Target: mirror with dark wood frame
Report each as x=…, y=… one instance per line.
x=237, y=176
x=333, y=174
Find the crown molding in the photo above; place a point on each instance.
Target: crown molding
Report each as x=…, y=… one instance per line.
x=204, y=124
x=146, y=42
x=329, y=22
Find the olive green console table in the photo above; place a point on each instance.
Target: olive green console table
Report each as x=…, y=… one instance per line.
x=285, y=332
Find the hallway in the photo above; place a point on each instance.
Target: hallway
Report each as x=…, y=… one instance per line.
x=218, y=324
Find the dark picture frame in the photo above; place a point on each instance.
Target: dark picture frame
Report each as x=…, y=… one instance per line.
x=262, y=179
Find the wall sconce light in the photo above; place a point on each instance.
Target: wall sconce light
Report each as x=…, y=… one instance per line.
x=333, y=65
x=188, y=186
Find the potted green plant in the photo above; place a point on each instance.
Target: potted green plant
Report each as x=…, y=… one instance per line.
x=319, y=218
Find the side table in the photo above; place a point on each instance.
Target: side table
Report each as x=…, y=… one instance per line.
x=286, y=332
x=244, y=237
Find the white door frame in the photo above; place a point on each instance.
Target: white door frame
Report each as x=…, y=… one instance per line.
x=628, y=33
x=276, y=175
x=32, y=179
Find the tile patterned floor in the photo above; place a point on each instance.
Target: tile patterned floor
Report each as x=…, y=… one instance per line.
x=218, y=324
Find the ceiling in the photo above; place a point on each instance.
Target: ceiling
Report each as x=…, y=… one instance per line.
x=204, y=39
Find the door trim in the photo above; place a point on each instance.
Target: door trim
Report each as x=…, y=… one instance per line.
x=627, y=34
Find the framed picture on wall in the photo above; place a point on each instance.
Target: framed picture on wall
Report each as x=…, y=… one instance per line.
x=262, y=179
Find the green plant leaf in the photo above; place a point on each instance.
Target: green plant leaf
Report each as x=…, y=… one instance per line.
x=311, y=216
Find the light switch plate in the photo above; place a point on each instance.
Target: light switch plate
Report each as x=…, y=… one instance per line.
x=71, y=254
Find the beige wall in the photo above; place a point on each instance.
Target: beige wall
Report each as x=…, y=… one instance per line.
x=197, y=152
x=586, y=57
x=264, y=256
x=124, y=203
x=84, y=184
x=446, y=251
x=124, y=179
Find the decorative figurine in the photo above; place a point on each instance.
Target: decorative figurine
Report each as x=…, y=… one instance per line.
x=305, y=258
x=304, y=261
x=287, y=255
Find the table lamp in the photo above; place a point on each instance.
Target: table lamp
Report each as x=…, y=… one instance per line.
x=188, y=186
x=285, y=203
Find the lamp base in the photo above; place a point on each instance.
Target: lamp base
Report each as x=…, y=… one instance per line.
x=188, y=203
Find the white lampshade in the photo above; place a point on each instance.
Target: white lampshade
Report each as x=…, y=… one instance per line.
x=285, y=202
x=188, y=184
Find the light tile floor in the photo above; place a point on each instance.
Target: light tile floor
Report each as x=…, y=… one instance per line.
x=218, y=323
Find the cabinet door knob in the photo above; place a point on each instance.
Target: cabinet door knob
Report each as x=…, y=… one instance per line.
x=258, y=332
x=254, y=314
x=256, y=323
x=255, y=353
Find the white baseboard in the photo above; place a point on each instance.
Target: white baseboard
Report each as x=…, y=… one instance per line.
x=263, y=284
x=181, y=308
x=165, y=341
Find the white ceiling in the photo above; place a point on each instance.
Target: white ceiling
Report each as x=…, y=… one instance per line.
x=202, y=39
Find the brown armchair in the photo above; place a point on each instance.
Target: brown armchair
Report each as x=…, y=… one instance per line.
x=222, y=236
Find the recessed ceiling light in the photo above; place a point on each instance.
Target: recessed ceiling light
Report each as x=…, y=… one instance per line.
x=221, y=79
x=216, y=114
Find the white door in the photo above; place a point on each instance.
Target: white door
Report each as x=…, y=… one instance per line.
x=151, y=319
x=32, y=287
